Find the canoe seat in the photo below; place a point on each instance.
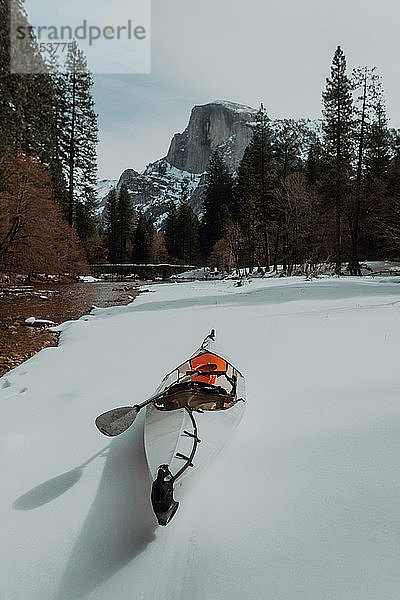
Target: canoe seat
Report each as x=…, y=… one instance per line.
x=195, y=396
x=208, y=362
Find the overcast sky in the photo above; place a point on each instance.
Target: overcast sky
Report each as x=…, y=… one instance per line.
x=275, y=51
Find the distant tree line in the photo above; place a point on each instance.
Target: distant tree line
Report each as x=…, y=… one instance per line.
x=299, y=197
x=337, y=200
x=130, y=237
x=48, y=127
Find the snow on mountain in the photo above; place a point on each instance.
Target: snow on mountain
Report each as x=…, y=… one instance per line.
x=152, y=190
x=301, y=503
x=240, y=108
x=103, y=188
x=220, y=125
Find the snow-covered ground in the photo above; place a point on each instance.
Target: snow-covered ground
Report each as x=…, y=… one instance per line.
x=303, y=502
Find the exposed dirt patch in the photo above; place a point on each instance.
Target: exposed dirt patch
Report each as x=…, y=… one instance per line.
x=53, y=302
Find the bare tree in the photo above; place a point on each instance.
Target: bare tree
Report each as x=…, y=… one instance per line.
x=34, y=235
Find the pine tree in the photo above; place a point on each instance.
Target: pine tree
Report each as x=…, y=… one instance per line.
x=87, y=227
x=255, y=193
x=112, y=225
x=57, y=158
x=170, y=230
x=314, y=163
x=389, y=225
x=246, y=207
x=125, y=225
x=364, y=83
x=287, y=144
x=28, y=103
x=142, y=240
x=218, y=198
x=78, y=136
x=187, y=228
x=380, y=174
x=338, y=142
x=379, y=151
x=373, y=141
x=35, y=119
x=5, y=91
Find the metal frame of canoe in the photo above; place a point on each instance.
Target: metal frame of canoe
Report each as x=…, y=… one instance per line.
x=190, y=387
x=163, y=502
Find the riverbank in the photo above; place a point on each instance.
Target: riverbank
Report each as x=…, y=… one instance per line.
x=53, y=302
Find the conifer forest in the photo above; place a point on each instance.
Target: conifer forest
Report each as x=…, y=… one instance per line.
x=334, y=199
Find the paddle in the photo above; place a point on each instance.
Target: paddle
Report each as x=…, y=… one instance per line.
x=117, y=420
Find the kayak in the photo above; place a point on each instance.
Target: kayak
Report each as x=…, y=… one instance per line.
x=192, y=415
x=188, y=420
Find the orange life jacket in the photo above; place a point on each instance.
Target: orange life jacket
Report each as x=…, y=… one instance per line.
x=208, y=363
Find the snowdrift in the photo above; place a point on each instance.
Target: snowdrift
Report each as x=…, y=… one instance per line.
x=301, y=504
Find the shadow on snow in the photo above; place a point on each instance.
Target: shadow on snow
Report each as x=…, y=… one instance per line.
x=120, y=523
x=54, y=487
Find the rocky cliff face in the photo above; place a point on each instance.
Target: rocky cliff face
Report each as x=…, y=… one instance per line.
x=223, y=126
x=218, y=125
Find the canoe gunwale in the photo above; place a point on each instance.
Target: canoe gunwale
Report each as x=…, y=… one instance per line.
x=167, y=428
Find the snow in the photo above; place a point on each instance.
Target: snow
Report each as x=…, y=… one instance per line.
x=103, y=188
x=160, y=176
x=240, y=108
x=88, y=279
x=38, y=322
x=191, y=274
x=381, y=266
x=301, y=504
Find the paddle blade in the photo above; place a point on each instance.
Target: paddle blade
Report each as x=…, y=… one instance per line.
x=116, y=421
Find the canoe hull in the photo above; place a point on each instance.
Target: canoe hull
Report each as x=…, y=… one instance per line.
x=165, y=438
x=180, y=439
